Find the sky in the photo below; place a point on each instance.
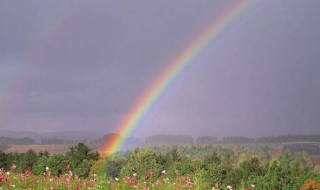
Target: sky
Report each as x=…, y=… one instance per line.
x=81, y=65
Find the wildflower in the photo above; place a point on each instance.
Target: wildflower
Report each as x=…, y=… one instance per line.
x=133, y=181
x=13, y=167
x=149, y=171
x=67, y=182
x=47, y=168
x=27, y=172
x=23, y=177
x=117, y=179
x=164, y=172
x=69, y=175
x=252, y=185
x=134, y=174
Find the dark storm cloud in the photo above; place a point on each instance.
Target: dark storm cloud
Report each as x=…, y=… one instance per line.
x=84, y=64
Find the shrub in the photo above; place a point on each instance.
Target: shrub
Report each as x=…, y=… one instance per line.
x=310, y=184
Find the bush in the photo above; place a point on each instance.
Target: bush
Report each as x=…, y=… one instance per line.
x=114, y=166
x=310, y=184
x=141, y=161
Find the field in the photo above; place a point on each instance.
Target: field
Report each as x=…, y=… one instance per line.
x=52, y=148
x=315, y=159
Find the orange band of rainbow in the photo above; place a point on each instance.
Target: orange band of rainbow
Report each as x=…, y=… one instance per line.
x=161, y=82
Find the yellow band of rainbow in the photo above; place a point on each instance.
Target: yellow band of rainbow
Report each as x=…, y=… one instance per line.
x=161, y=82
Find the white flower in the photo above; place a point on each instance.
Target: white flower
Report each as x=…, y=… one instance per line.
x=47, y=168
x=134, y=174
x=117, y=179
x=252, y=185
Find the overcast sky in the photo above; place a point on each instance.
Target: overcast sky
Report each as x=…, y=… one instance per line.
x=80, y=65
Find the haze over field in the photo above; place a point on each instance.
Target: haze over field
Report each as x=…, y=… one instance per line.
x=80, y=65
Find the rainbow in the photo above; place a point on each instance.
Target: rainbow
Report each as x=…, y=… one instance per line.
x=176, y=66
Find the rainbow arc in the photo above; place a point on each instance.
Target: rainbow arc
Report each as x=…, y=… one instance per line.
x=173, y=69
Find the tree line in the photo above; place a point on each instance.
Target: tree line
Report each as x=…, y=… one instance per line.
x=165, y=139
x=211, y=166
x=17, y=141
x=215, y=166
x=79, y=158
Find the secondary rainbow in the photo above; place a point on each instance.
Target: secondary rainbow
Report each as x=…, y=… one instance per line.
x=176, y=66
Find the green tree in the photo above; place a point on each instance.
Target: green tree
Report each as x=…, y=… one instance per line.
x=212, y=158
x=40, y=166
x=56, y=164
x=141, y=161
x=26, y=160
x=3, y=160
x=114, y=166
x=79, y=154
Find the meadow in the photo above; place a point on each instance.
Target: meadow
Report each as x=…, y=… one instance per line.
x=161, y=168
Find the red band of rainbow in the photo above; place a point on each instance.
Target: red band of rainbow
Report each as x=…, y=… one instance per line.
x=161, y=82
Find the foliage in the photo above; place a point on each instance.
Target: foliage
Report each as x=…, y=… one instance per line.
x=310, y=184
x=180, y=167
x=114, y=166
x=140, y=161
x=80, y=158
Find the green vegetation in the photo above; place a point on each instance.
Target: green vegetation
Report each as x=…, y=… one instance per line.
x=181, y=167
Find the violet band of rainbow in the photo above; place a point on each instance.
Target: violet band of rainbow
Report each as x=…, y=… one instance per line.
x=174, y=67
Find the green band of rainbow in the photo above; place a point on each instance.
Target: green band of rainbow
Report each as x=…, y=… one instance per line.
x=159, y=85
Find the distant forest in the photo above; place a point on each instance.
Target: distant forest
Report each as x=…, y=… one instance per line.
x=31, y=141
x=166, y=139
x=16, y=141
